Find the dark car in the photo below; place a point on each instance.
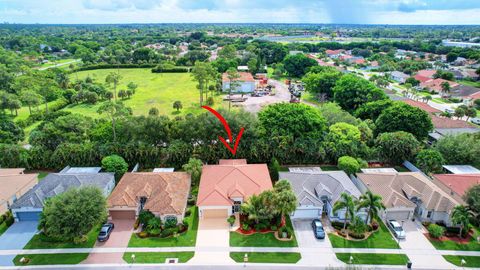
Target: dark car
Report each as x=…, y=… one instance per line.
x=105, y=232
x=318, y=229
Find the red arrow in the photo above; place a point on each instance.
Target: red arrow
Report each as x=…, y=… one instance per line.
x=229, y=132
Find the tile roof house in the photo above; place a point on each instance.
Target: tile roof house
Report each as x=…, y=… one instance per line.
x=224, y=187
x=427, y=73
x=422, y=79
x=456, y=184
x=317, y=192
x=421, y=105
x=14, y=183
x=436, y=85
x=409, y=194
x=246, y=83
x=30, y=205
x=165, y=194
x=464, y=91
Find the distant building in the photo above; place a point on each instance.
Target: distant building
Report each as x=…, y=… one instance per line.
x=399, y=77
x=246, y=83
x=449, y=43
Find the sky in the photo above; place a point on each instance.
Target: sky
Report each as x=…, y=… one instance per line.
x=241, y=11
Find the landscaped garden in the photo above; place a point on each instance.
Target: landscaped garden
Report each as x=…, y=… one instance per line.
x=157, y=257
x=373, y=258
x=156, y=234
x=6, y=220
x=266, y=257
x=49, y=259
x=264, y=238
x=470, y=261
x=42, y=241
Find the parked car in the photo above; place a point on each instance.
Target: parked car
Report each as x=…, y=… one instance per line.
x=318, y=229
x=475, y=121
x=450, y=111
x=105, y=232
x=396, y=228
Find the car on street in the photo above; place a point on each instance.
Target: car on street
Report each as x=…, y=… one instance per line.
x=317, y=228
x=475, y=121
x=105, y=232
x=396, y=228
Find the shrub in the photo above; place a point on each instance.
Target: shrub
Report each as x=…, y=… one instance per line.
x=162, y=69
x=169, y=232
x=273, y=228
x=337, y=225
x=181, y=227
x=374, y=225
x=245, y=227
x=356, y=235
x=426, y=224
x=231, y=220
x=143, y=234
x=155, y=232
x=435, y=230
x=115, y=164
x=260, y=227
x=341, y=233
x=188, y=212
x=191, y=202
x=171, y=222
x=145, y=216
x=185, y=223
x=348, y=164
x=136, y=224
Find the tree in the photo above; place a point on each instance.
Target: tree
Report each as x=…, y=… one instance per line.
x=347, y=203
x=71, y=215
x=9, y=131
x=194, y=168
x=115, y=78
x=228, y=52
x=46, y=92
x=297, y=65
x=284, y=198
x=290, y=119
x=344, y=140
x=396, y=147
x=321, y=84
x=115, y=164
x=122, y=94
x=430, y=161
x=460, y=149
x=428, y=98
x=459, y=112
x=177, y=105
x=351, y=91
x=372, y=110
x=470, y=112
x=132, y=87
x=445, y=87
x=461, y=216
x=233, y=83
x=30, y=99
x=412, y=81
x=472, y=198
x=335, y=114
x=403, y=117
x=452, y=56
x=115, y=111
x=200, y=73
x=348, y=164
x=372, y=202
x=153, y=112
x=274, y=169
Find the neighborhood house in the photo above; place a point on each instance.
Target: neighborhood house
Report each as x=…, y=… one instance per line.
x=224, y=187
x=244, y=84
x=14, y=183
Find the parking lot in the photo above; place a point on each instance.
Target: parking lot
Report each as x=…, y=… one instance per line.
x=255, y=104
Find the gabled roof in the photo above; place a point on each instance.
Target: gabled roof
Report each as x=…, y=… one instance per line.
x=458, y=183
x=421, y=105
x=427, y=73
x=444, y=122
x=464, y=91
x=311, y=186
x=399, y=189
x=231, y=178
x=166, y=192
x=56, y=183
x=422, y=79
x=244, y=77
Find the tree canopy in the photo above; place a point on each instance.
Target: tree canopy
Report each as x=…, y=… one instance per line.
x=351, y=91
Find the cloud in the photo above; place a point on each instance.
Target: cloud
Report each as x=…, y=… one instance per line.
x=415, y=5
x=115, y=5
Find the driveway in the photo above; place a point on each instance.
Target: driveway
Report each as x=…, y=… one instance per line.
x=314, y=250
x=420, y=251
x=119, y=238
x=213, y=236
x=255, y=104
x=16, y=237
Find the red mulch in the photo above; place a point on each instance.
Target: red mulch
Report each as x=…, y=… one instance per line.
x=451, y=238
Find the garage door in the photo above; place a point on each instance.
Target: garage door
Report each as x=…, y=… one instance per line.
x=28, y=216
x=117, y=214
x=398, y=215
x=215, y=213
x=306, y=213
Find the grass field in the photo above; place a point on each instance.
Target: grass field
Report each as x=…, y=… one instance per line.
x=261, y=239
x=473, y=245
x=157, y=257
x=470, y=261
x=373, y=258
x=380, y=239
x=266, y=257
x=49, y=259
x=157, y=90
x=40, y=241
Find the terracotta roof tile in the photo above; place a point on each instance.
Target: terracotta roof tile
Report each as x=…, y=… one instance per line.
x=459, y=183
x=421, y=105
x=244, y=77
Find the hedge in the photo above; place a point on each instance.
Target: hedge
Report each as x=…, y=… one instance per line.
x=171, y=70
x=109, y=66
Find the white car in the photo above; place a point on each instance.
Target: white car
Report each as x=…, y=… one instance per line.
x=396, y=228
x=450, y=111
x=475, y=121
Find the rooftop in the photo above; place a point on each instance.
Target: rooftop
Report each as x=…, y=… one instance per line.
x=461, y=169
x=244, y=77
x=458, y=183
x=421, y=105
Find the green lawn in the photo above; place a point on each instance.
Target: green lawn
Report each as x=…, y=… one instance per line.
x=261, y=239
x=52, y=63
x=266, y=257
x=470, y=261
x=373, y=258
x=3, y=228
x=48, y=259
x=441, y=100
x=187, y=239
x=157, y=90
x=469, y=83
x=41, y=241
x=380, y=239
x=308, y=97
x=473, y=245
x=157, y=257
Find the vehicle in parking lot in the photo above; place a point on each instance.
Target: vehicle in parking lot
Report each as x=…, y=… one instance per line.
x=318, y=229
x=105, y=232
x=396, y=228
x=475, y=121
x=450, y=111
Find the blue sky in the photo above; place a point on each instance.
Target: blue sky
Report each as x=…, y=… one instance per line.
x=242, y=11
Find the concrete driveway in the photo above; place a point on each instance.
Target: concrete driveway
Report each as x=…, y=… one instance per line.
x=16, y=237
x=213, y=235
x=314, y=250
x=119, y=238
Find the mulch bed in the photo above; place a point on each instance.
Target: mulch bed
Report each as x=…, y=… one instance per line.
x=252, y=231
x=455, y=239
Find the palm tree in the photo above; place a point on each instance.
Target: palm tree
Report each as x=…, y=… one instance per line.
x=285, y=201
x=428, y=98
x=346, y=202
x=445, y=88
x=461, y=216
x=372, y=202
x=113, y=77
x=253, y=208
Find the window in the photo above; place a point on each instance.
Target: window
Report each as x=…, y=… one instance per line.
x=429, y=214
x=167, y=218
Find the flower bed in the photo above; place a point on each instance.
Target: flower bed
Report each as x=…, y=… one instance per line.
x=456, y=239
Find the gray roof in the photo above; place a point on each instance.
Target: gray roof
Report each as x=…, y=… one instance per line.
x=461, y=169
x=399, y=74
x=80, y=170
x=56, y=183
x=310, y=187
x=463, y=91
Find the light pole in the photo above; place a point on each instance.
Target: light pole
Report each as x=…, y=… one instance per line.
x=133, y=258
x=245, y=260
x=350, y=260
x=463, y=262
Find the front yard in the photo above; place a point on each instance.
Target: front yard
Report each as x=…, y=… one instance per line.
x=262, y=239
x=40, y=241
x=373, y=258
x=472, y=245
x=470, y=261
x=49, y=259
x=266, y=257
x=380, y=239
x=157, y=257
x=187, y=239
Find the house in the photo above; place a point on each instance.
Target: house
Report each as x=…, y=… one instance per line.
x=408, y=195
x=165, y=194
x=30, y=205
x=422, y=105
x=317, y=192
x=421, y=79
x=456, y=184
x=246, y=83
x=399, y=77
x=224, y=187
x=429, y=73
x=436, y=85
x=444, y=126
x=14, y=183
x=460, y=61
x=461, y=169
x=334, y=53
x=459, y=75
x=464, y=92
